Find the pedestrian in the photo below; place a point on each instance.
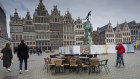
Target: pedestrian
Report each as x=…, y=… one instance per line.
x=23, y=55
x=31, y=51
x=7, y=57
x=38, y=52
x=120, y=50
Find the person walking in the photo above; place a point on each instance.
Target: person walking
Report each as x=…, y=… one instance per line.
x=38, y=52
x=7, y=57
x=120, y=50
x=23, y=55
x=31, y=51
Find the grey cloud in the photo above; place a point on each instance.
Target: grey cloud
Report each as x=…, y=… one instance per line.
x=102, y=10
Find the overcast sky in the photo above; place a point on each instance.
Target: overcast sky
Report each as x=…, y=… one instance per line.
x=102, y=10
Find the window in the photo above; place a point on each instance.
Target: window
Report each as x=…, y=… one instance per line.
x=55, y=19
x=41, y=19
x=136, y=32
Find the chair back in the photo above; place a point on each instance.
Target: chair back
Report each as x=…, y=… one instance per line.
x=45, y=60
x=79, y=62
x=58, y=62
x=83, y=55
x=106, y=61
x=95, y=55
x=59, y=57
x=76, y=54
x=72, y=62
x=94, y=63
x=90, y=55
x=53, y=60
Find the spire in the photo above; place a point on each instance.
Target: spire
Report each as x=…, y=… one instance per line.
x=41, y=5
x=28, y=15
x=117, y=24
x=125, y=24
x=68, y=10
x=27, y=10
x=55, y=8
x=125, y=21
x=68, y=13
x=109, y=23
x=78, y=17
x=15, y=10
x=78, y=20
x=15, y=14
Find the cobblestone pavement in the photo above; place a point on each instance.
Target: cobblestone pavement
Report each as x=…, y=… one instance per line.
x=35, y=67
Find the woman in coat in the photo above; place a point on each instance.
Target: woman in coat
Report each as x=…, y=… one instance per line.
x=7, y=56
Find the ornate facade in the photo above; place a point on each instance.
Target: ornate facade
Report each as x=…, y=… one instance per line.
x=42, y=26
x=46, y=31
x=16, y=28
x=29, y=30
x=118, y=34
x=109, y=34
x=125, y=33
x=68, y=34
x=79, y=32
x=56, y=28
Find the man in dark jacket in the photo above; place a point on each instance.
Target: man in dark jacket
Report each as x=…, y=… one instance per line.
x=120, y=50
x=23, y=54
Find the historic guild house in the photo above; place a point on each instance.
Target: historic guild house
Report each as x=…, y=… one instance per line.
x=46, y=31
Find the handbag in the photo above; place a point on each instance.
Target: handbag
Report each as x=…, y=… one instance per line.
x=1, y=57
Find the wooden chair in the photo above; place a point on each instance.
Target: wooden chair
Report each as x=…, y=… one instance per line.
x=67, y=61
x=81, y=65
x=46, y=60
x=73, y=64
x=52, y=63
x=59, y=65
x=94, y=64
x=59, y=57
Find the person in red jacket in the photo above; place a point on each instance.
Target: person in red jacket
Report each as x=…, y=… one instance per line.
x=120, y=50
